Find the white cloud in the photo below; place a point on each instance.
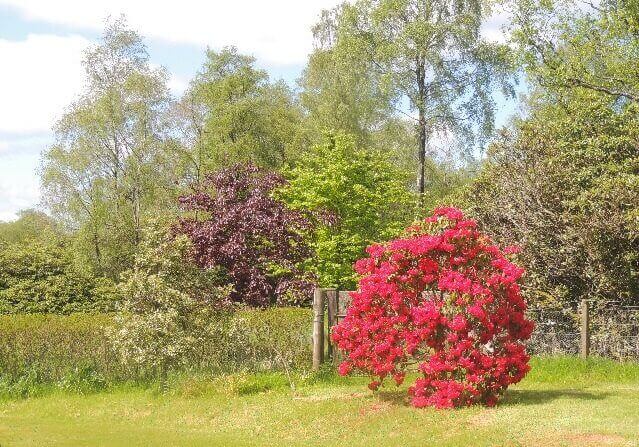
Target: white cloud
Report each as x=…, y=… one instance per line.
x=19, y=160
x=276, y=32
x=17, y=197
x=39, y=77
x=19, y=186
x=177, y=85
x=492, y=28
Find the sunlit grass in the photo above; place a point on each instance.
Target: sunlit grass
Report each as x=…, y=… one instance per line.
x=563, y=402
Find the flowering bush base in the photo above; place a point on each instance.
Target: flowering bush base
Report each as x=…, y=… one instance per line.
x=443, y=300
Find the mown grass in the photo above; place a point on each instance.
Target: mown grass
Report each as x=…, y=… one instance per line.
x=563, y=402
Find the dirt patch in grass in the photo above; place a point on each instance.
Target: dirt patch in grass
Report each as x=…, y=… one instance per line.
x=597, y=439
x=484, y=418
x=329, y=396
x=377, y=407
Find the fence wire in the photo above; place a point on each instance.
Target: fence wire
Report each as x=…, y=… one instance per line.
x=614, y=331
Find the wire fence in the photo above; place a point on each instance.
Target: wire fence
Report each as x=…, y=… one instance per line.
x=606, y=329
x=609, y=329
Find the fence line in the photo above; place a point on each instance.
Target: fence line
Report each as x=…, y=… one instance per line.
x=606, y=329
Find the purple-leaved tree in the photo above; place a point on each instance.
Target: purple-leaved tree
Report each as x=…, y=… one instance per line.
x=235, y=222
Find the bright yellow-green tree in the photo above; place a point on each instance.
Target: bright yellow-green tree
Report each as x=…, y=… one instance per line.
x=358, y=196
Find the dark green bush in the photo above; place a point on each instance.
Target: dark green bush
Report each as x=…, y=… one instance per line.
x=73, y=352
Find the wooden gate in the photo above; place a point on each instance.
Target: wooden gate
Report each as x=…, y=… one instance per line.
x=334, y=303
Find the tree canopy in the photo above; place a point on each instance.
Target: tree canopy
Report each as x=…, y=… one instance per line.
x=426, y=61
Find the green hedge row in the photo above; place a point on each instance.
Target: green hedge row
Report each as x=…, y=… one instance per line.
x=52, y=348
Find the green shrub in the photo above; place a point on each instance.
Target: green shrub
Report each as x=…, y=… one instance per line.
x=29, y=384
x=83, y=380
x=168, y=304
x=54, y=345
x=73, y=352
x=42, y=277
x=263, y=340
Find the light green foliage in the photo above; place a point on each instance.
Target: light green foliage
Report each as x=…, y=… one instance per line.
x=232, y=113
x=567, y=44
x=40, y=273
x=358, y=197
x=276, y=339
x=341, y=96
x=423, y=57
x=168, y=304
x=110, y=166
x=31, y=224
x=40, y=351
x=43, y=350
x=43, y=277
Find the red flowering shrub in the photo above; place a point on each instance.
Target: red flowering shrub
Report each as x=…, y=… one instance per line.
x=443, y=299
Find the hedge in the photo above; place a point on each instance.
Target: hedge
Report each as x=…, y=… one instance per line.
x=51, y=348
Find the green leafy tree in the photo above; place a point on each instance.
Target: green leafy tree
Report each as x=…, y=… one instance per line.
x=357, y=196
x=339, y=96
x=342, y=98
x=30, y=224
x=39, y=276
x=564, y=184
x=233, y=113
x=427, y=60
x=571, y=44
x=109, y=169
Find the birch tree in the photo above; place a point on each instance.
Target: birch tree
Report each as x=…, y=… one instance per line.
x=104, y=172
x=429, y=59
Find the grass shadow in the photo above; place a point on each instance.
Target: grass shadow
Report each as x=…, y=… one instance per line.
x=513, y=397
x=538, y=397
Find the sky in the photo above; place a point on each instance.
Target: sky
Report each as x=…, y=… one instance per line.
x=42, y=44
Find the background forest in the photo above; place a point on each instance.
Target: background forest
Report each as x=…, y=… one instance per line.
x=247, y=192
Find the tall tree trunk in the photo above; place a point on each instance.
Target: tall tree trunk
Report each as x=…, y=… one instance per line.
x=96, y=249
x=421, y=180
x=421, y=107
x=136, y=215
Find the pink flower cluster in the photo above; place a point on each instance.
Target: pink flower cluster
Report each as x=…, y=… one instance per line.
x=444, y=301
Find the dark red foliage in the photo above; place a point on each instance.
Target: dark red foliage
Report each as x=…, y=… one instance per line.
x=238, y=225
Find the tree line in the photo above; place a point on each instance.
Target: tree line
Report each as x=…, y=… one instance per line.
x=278, y=188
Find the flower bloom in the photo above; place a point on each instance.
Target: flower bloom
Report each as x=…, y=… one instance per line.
x=443, y=297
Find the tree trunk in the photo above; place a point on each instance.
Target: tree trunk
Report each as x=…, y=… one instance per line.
x=421, y=107
x=96, y=248
x=136, y=215
x=421, y=180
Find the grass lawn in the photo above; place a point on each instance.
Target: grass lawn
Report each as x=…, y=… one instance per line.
x=563, y=402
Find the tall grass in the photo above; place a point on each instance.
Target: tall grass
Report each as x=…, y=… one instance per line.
x=72, y=352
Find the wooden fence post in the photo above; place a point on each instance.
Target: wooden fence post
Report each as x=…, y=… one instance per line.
x=318, y=328
x=331, y=297
x=584, y=329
